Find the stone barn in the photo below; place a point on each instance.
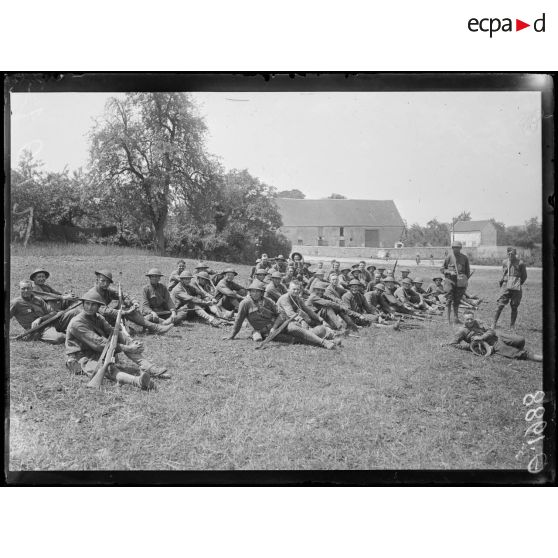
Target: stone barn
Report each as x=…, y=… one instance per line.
x=335, y=222
x=475, y=233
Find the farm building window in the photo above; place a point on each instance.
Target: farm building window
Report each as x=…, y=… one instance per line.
x=341, y=231
x=299, y=241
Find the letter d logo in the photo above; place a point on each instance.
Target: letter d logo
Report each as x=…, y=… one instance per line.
x=539, y=24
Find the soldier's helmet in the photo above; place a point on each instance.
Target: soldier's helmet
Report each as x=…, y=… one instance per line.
x=92, y=296
x=186, y=275
x=154, y=272
x=105, y=273
x=380, y=287
x=256, y=286
x=437, y=278
x=417, y=280
x=481, y=348
x=201, y=265
x=406, y=281
x=319, y=286
x=371, y=268
x=277, y=275
x=203, y=275
x=260, y=271
x=456, y=244
x=37, y=271
x=280, y=257
x=230, y=270
x=389, y=279
x=354, y=282
x=346, y=268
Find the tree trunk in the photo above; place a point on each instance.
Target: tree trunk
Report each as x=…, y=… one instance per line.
x=160, y=237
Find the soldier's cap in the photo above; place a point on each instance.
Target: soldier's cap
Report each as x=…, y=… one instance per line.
x=186, y=275
x=280, y=257
x=105, y=273
x=371, y=267
x=417, y=280
x=92, y=295
x=154, y=272
x=456, y=244
x=481, y=348
x=406, y=270
x=201, y=265
x=437, y=278
x=256, y=286
x=355, y=269
x=406, y=281
x=296, y=254
x=37, y=271
x=204, y=275
x=380, y=286
x=354, y=282
x=511, y=249
x=230, y=270
x=319, y=285
x=389, y=279
x=277, y=275
x=25, y=282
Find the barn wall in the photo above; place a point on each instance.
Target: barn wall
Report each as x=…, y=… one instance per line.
x=353, y=236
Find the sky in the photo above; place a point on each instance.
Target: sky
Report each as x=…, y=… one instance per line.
x=434, y=153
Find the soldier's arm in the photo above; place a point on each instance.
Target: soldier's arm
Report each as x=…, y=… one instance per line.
x=286, y=308
x=224, y=290
x=240, y=317
x=89, y=338
x=523, y=273
x=145, y=306
x=311, y=314
x=168, y=300
x=467, y=269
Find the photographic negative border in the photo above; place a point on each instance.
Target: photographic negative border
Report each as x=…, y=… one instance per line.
x=309, y=81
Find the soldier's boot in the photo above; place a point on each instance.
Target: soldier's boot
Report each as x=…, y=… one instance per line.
x=496, y=317
x=513, y=317
x=534, y=356
x=257, y=336
x=143, y=381
x=159, y=372
x=456, y=319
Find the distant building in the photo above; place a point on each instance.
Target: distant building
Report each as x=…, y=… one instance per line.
x=475, y=233
x=333, y=222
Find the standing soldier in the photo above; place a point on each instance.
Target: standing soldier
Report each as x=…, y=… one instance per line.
x=275, y=287
x=157, y=305
x=229, y=293
x=89, y=332
x=132, y=313
x=417, y=259
x=456, y=272
x=56, y=299
x=190, y=299
x=514, y=275
x=174, y=278
x=30, y=311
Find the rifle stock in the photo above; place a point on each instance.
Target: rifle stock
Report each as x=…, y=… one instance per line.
x=273, y=335
x=107, y=356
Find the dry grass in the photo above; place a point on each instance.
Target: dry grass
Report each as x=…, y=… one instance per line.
x=385, y=401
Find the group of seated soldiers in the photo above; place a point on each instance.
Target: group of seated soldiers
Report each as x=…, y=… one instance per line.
x=309, y=307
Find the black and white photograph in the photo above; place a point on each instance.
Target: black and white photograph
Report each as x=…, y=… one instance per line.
x=279, y=274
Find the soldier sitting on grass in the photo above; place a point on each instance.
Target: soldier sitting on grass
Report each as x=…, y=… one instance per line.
x=56, y=299
x=131, y=312
x=87, y=335
x=275, y=288
x=30, y=311
x=174, y=277
x=229, y=293
x=507, y=345
x=157, y=306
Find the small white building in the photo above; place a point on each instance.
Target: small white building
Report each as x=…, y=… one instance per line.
x=475, y=233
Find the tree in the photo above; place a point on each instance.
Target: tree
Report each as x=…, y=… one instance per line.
x=335, y=196
x=295, y=194
x=463, y=216
x=153, y=145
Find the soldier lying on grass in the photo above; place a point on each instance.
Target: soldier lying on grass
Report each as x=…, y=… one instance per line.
x=509, y=346
x=87, y=335
x=56, y=299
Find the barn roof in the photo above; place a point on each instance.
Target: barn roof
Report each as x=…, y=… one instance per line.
x=339, y=213
x=469, y=226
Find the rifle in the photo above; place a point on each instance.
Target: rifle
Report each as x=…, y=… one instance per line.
x=45, y=295
x=273, y=335
x=394, y=266
x=42, y=325
x=107, y=356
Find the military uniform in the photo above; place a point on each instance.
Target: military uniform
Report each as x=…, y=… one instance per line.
x=509, y=346
x=156, y=299
x=229, y=293
x=456, y=271
x=27, y=311
x=514, y=275
x=174, y=277
x=190, y=299
x=55, y=299
x=358, y=304
x=274, y=292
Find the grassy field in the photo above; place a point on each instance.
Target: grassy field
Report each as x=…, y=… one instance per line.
x=389, y=400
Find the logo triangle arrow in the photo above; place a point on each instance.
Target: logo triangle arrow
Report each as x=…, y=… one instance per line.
x=519, y=25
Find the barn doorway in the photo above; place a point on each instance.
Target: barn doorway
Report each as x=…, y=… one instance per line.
x=371, y=238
